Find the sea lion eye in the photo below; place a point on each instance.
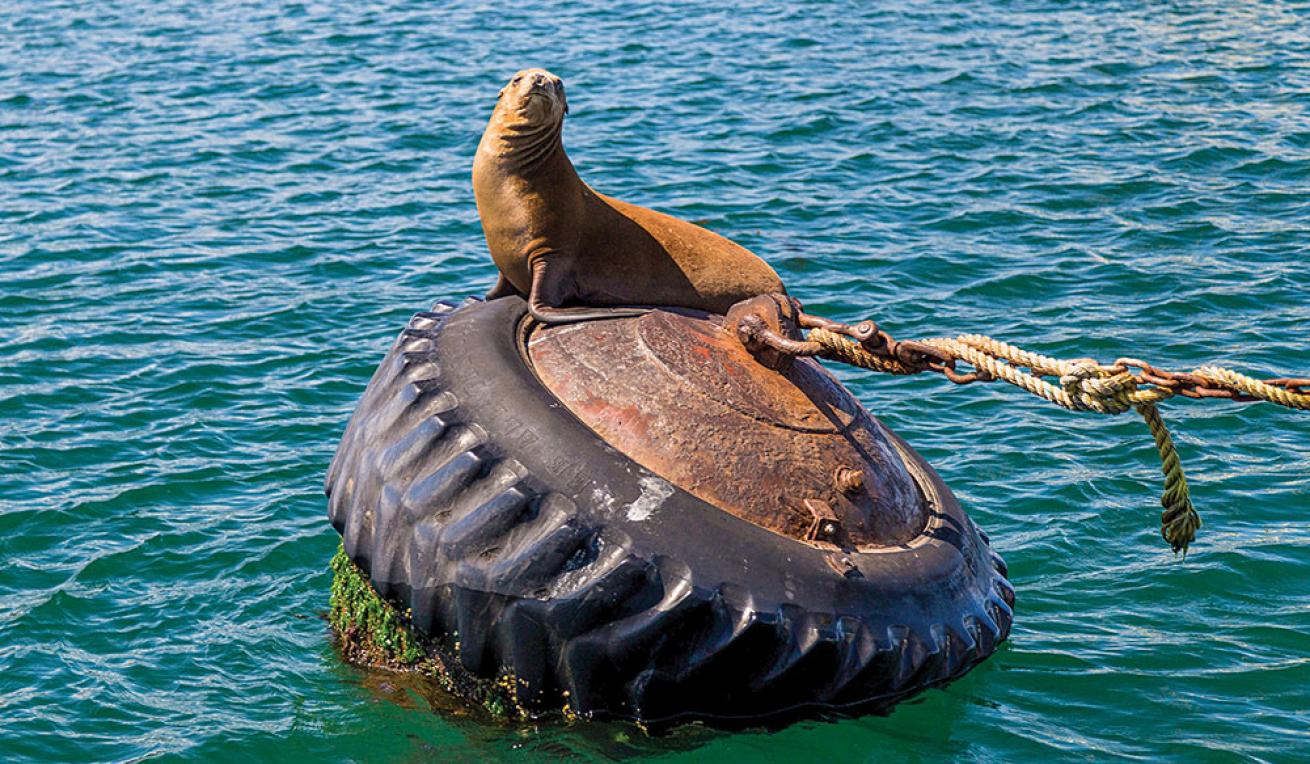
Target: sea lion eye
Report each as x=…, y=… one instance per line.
x=515, y=81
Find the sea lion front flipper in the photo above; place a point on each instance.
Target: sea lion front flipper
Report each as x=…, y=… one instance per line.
x=549, y=291
x=502, y=289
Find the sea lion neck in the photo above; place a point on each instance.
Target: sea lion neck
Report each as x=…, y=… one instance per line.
x=521, y=145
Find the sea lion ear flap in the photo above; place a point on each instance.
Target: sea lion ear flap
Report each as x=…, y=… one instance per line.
x=501, y=94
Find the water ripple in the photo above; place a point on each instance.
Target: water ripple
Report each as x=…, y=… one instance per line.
x=216, y=217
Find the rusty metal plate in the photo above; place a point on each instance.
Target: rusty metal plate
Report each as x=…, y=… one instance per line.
x=790, y=451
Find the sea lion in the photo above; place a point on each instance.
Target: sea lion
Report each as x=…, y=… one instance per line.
x=577, y=254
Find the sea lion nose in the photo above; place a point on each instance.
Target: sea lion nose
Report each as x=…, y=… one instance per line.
x=538, y=79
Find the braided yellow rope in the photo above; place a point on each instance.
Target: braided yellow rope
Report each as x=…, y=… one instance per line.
x=838, y=348
x=1179, y=520
x=1255, y=388
x=1084, y=386
x=1040, y=364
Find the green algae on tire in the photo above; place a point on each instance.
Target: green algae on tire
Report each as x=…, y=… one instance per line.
x=371, y=630
x=374, y=633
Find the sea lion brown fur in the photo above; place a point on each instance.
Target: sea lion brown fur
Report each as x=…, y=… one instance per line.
x=577, y=254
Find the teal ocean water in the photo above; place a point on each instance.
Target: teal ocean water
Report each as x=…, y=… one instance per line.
x=215, y=217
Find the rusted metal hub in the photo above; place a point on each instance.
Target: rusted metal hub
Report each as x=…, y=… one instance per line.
x=789, y=450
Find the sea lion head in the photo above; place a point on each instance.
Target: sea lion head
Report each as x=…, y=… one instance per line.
x=534, y=98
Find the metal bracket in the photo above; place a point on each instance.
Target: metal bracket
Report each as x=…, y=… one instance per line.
x=825, y=526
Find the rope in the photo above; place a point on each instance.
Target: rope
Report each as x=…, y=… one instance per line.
x=1084, y=385
x=1229, y=379
x=1179, y=520
x=837, y=348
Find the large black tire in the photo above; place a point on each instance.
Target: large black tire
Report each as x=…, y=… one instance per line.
x=529, y=547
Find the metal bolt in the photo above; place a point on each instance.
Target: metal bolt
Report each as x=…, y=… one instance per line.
x=848, y=480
